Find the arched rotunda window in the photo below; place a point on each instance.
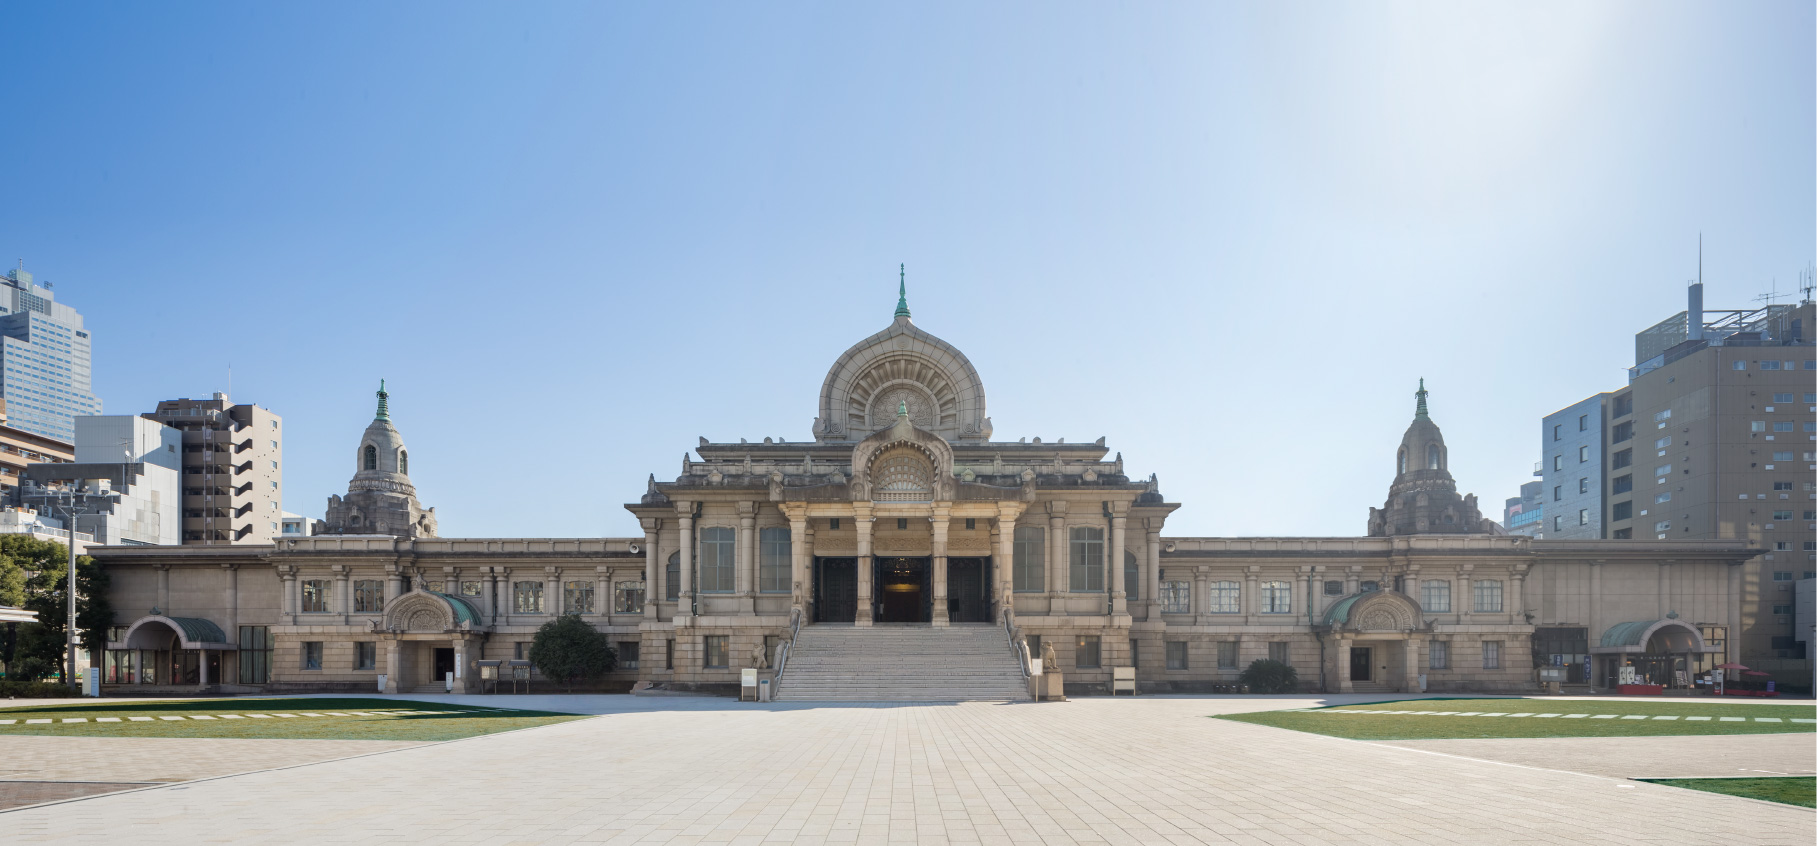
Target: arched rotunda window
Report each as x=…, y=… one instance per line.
x=902, y=475
x=403, y=462
x=1432, y=456
x=372, y=458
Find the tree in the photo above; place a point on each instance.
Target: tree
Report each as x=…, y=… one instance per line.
x=48, y=563
x=567, y=649
x=1266, y=676
x=12, y=594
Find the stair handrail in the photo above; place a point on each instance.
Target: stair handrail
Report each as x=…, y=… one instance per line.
x=782, y=652
x=1017, y=648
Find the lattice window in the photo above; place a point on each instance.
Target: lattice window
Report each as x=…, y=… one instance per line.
x=902, y=476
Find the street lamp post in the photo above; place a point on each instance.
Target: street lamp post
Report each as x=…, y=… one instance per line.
x=74, y=502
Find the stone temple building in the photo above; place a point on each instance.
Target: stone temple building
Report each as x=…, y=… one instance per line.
x=901, y=552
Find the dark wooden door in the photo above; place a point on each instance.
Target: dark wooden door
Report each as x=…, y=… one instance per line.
x=1359, y=663
x=836, y=590
x=444, y=663
x=967, y=598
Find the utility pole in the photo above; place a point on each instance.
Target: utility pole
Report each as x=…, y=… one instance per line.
x=74, y=502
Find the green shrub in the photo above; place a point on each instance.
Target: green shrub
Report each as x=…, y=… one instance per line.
x=1265, y=676
x=567, y=649
x=31, y=669
x=14, y=689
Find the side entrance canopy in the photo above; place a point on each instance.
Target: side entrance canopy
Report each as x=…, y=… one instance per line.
x=154, y=632
x=1652, y=637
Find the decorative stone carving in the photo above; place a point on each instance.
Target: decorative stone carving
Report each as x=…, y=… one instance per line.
x=1049, y=660
x=760, y=658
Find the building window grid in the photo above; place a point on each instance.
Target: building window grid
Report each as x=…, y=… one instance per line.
x=1277, y=598
x=368, y=596
x=1438, y=655
x=527, y=597
x=1176, y=597
x=1492, y=654
x=628, y=597
x=1028, y=569
x=577, y=597
x=1486, y=596
x=1435, y=596
x=315, y=596
x=1086, y=560
x=717, y=569
x=773, y=563
x=1226, y=598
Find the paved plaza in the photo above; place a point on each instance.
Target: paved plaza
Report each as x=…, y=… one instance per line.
x=1093, y=770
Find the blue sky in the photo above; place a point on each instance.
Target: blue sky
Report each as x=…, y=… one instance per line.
x=575, y=237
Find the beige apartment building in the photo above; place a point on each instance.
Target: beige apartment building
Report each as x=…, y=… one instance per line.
x=233, y=475
x=20, y=449
x=902, y=552
x=1714, y=437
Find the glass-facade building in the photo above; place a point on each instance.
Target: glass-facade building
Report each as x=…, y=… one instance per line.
x=44, y=352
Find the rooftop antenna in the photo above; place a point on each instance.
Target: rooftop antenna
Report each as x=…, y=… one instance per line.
x=1770, y=295
x=1807, y=280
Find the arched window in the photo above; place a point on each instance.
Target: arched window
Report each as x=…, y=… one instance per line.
x=671, y=578
x=403, y=462
x=902, y=475
x=1403, y=460
x=372, y=458
x=1432, y=457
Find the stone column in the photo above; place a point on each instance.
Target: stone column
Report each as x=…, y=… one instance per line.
x=1410, y=665
x=1252, y=599
x=942, y=515
x=552, y=591
x=1732, y=638
x=507, y=594
x=1301, y=583
x=1151, y=574
x=747, y=558
x=602, y=594
x=1006, y=557
x=394, y=583
x=861, y=521
x=1343, y=668
x=685, y=519
x=1466, y=601
x=1057, y=550
x=1201, y=597
x=488, y=595
x=163, y=599
x=1594, y=635
x=393, y=678
x=653, y=570
x=343, y=599
x=1119, y=522
x=1517, y=601
x=1353, y=579
x=800, y=550
x=289, y=601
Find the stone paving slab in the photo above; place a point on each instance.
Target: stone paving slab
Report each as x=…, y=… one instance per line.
x=164, y=759
x=18, y=794
x=1144, y=771
x=1697, y=756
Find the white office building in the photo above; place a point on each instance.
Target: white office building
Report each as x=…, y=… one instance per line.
x=44, y=360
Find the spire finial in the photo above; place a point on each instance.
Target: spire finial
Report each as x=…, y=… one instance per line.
x=383, y=414
x=1420, y=411
x=902, y=408
x=902, y=309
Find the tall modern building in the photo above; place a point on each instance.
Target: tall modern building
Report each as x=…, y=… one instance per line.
x=233, y=474
x=44, y=353
x=134, y=458
x=20, y=449
x=1713, y=437
x=1525, y=514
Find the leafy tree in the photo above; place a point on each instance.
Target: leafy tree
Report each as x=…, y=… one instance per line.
x=12, y=594
x=44, y=591
x=567, y=649
x=1266, y=676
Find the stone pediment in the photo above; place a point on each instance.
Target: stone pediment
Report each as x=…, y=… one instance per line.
x=1374, y=611
x=422, y=611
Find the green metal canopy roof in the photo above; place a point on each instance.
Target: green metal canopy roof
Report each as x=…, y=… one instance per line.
x=198, y=630
x=463, y=610
x=1339, y=612
x=1627, y=634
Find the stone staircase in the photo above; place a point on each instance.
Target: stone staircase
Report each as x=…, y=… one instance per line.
x=1371, y=687
x=901, y=663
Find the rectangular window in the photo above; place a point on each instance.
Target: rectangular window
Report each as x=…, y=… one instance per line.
x=833, y=524
x=1782, y=515
x=315, y=597
x=1333, y=587
x=1623, y=484
x=1662, y=443
x=1624, y=405
x=1558, y=432
x=1435, y=596
x=971, y=523
x=255, y=654
x=1738, y=365
x=774, y=564
x=1782, y=425
x=1086, y=560
x=1782, y=486
x=1277, y=651
x=1086, y=652
x=717, y=566
x=1769, y=365
x=1030, y=571
x=1135, y=653
x=1662, y=416
x=1583, y=422
x=1663, y=497
x=1663, y=525
x=312, y=655
x=1782, y=609
x=1176, y=597
x=470, y=588
x=1438, y=655
x=1558, y=492
x=628, y=597
x=1583, y=485
x=1277, y=598
x=1621, y=432
x=1623, y=510
x=1558, y=523
x=365, y=655
x=1622, y=459
x=716, y=654
x=1176, y=655
x=577, y=597
x=1583, y=454
x=901, y=522
x=1662, y=470
x=368, y=596
x=668, y=654
x=1558, y=462
x=1226, y=598
x=1783, y=456
x=1492, y=654
x=1785, y=397
x=1782, y=576
x=1583, y=516
x=627, y=654
x=1757, y=425
x=1227, y=654
x=527, y=598
x=1487, y=596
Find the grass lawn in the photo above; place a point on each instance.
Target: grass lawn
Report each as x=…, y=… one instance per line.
x=1793, y=790
x=379, y=719
x=1563, y=719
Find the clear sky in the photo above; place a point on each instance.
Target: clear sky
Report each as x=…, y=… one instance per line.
x=575, y=237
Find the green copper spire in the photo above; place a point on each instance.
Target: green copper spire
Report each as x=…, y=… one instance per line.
x=383, y=414
x=1420, y=412
x=902, y=291
x=902, y=409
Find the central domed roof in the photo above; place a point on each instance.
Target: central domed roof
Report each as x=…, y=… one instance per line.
x=902, y=366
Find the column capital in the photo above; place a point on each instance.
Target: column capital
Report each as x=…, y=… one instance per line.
x=1056, y=507
x=650, y=525
x=747, y=510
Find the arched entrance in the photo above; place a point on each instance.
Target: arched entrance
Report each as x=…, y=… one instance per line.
x=1650, y=652
x=175, y=650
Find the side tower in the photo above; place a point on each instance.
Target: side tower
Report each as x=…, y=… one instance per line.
x=380, y=499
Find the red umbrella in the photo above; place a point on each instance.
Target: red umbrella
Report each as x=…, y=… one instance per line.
x=1756, y=673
